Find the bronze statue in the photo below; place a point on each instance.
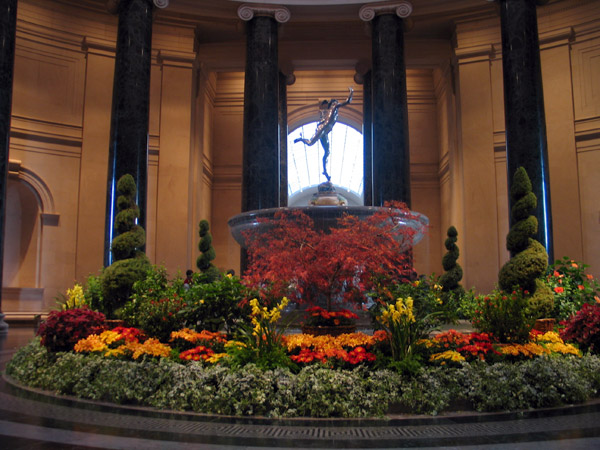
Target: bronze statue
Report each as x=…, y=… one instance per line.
x=328, y=113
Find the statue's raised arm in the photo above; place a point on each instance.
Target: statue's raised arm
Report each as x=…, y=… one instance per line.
x=328, y=114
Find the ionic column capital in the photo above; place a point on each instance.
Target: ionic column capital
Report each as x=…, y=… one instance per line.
x=402, y=9
x=247, y=12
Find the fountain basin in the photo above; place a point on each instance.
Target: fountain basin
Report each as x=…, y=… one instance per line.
x=325, y=217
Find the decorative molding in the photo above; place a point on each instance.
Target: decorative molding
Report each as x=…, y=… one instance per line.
x=50, y=219
x=100, y=46
x=161, y=3
x=247, y=12
x=477, y=53
x=174, y=58
x=31, y=129
x=402, y=9
x=113, y=5
x=556, y=38
x=39, y=186
x=587, y=131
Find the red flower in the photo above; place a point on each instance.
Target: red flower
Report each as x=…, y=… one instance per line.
x=559, y=289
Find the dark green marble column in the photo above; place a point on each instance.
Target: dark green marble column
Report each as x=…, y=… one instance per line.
x=261, y=158
x=8, y=26
x=283, y=132
x=391, y=159
x=367, y=140
x=128, y=151
x=524, y=107
x=261, y=165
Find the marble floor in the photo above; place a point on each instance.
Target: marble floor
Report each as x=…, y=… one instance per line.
x=35, y=420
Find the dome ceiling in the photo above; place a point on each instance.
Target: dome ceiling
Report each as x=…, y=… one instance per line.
x=337, y=19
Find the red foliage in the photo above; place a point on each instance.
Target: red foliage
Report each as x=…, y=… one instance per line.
x=62, y=329
x=295, y=260
x=584, y=328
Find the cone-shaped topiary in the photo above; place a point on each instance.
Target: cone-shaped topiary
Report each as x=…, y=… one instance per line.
x=529, y=258
x=207, y=252
x=131, y=262
x=450, y=280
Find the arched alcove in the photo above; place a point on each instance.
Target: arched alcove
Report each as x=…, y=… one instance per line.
x=22, y=236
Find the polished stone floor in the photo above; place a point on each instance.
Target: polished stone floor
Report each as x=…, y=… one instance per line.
x=36, y=420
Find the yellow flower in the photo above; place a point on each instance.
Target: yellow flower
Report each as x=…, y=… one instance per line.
x=238, y=344
x=92, y=343
x=565, y=349
x=216, y=357
x=529, y=350
x=110, y=336
x=152, y=347
x=549, y=336
x=447, y=355
x=115, y=351
x=75, y=297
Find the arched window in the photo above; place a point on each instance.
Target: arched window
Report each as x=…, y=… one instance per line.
x=344, y=165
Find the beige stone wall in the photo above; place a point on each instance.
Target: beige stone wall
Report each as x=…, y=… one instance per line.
x=61, y=126
x=62, y=95
x=569, y=43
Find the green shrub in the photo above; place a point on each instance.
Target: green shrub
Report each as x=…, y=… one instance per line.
x=207, y=253
x=538, y=383
x=505, y=316
x=216, y=305
x=541, y=303
x=529, y=259
x=131, y=262
x=315, y=391
x=160, y=305
x=450, y=281
x=571, y=286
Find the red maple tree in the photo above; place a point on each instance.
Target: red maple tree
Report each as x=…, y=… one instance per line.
x=307, y=265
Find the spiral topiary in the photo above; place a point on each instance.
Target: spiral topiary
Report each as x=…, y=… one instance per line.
x=529, y=258
x=450, y=280
x=207, y=252
x=131, y=263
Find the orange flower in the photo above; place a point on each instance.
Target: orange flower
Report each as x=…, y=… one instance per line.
x=581, y=287
x=559, y=289
x=589, y=277
x=574, y=265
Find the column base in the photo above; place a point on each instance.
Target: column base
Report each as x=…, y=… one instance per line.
x=3, y=325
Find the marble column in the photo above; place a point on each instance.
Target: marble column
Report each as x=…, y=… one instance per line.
x=367, y=139
x=391, y=160
x=284, y=80
x=524, y=107
x=261, y=158
x=128, y=150
x=8, y=26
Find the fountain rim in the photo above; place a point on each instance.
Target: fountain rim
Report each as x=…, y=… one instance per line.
x=338, y=212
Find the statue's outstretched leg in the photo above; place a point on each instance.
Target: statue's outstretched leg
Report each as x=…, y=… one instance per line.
x=325, y=145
